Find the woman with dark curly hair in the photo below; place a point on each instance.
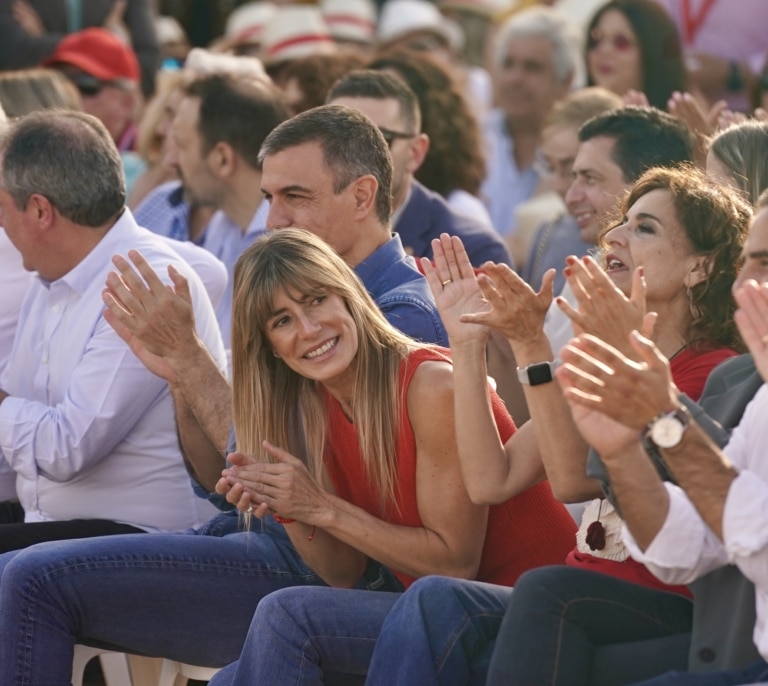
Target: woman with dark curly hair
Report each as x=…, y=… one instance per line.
x=635, y=45
x=711, y=228
x=454, y=165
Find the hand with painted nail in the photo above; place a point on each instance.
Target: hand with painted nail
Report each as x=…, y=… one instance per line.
x=603, y=310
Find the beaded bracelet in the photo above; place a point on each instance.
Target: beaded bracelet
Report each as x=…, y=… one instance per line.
x=283, y=520
x=288, y=520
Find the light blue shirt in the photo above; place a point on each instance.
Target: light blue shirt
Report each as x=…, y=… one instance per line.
x=505, y=186
x=165, y=212
x=87, y=429
x=227, y=241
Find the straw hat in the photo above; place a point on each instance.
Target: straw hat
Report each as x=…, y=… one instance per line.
x=402, y=17
x=246, y=23
x=350, y=20
x=295, y=31
x=484, y=8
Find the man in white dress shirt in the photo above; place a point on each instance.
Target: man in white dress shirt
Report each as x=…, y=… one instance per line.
x=87, y=429
x=717, y=511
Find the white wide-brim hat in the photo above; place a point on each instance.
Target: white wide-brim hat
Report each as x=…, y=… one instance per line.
x=350, y=20
x=295, y=31
x=401, y=17
x=246, y=23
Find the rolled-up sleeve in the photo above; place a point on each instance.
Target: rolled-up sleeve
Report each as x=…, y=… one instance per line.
x=684, y=549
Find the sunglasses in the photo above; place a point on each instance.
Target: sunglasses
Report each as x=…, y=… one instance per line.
x=391, y=136
x=90, y=86
x=619, y=41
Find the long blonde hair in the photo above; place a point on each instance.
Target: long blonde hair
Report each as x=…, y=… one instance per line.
x=272, y=402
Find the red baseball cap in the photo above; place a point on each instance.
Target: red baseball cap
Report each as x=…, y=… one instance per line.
x=97, y=52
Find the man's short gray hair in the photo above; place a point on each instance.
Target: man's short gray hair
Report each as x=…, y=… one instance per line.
x=543, y=22
x=69, y=158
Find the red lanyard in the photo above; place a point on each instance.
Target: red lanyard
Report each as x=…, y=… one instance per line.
x=692, y=22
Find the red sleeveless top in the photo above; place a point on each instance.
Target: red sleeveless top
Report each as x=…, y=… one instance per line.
x=529, y=530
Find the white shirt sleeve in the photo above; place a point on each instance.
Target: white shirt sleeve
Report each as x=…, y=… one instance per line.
x=684, y=549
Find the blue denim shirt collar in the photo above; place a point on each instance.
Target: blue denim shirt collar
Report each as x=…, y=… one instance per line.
x=401, y=292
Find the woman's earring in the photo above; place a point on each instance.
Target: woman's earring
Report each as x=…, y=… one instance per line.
x=695, y=310
x=276, y=355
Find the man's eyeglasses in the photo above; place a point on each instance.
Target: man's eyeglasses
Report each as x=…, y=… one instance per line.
x=619, y=41
x=551, y=169
x=90, y=86
x=391, y=136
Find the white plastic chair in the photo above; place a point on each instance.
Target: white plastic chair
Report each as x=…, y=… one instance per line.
x=114, y=666
x=171, y=669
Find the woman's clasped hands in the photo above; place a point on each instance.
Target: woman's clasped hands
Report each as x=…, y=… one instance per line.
x=283, y=487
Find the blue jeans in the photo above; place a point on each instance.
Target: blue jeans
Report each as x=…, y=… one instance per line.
x=439, y=631
x=567, y=626
x=189, y=597
x=752, y=674
x=300, y=635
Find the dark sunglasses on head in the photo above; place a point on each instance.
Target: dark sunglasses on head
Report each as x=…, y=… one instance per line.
x=620, y=41
x=391, y=136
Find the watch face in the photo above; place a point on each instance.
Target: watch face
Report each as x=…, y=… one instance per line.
x=539, y=373
x=667, y=432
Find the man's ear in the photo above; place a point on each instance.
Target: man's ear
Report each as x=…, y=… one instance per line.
x=419, y=147
x=222, y=160
x=40, y=210
x=364, y=192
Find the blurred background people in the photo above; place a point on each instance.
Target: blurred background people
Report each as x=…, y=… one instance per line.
x=557, y=238
x=352, y=23
x=106, y=72
x=307, y=80
x=33, y=29
x=633, y=45
x=738, y=157
x=725, y=46
x=454, y=165
x=293, y=31
x=535, y=60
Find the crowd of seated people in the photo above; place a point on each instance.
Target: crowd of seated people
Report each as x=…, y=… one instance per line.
x=364, y=345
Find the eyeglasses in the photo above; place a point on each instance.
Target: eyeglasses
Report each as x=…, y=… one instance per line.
x=619, y=41
x=391, y=136
x=547, y=169
x=90, y=86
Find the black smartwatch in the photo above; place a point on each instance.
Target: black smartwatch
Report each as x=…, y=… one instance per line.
x=537, y=373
